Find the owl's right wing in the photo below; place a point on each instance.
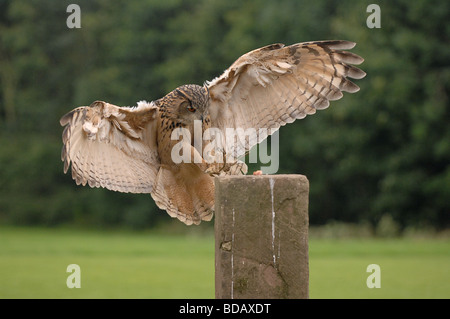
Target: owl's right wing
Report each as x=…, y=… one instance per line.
x=277, y=84
x=112, y=147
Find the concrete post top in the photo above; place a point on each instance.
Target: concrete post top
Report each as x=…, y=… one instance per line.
x=278, y=176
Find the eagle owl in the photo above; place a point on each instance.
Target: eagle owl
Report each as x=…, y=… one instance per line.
x=130, y=149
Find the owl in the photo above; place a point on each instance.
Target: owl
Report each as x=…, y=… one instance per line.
x=162, y=148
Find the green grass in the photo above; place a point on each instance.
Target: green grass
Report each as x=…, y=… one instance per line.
x=409, y=268
x=33, y=264
x=116, y=264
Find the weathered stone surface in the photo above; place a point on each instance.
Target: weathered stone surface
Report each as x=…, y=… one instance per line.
x=261, y=229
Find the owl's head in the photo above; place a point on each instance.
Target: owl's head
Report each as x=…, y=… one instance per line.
x=187, y=103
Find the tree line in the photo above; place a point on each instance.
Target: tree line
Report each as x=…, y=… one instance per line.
x=382, y=151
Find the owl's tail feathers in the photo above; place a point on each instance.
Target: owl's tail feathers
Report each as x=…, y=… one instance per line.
x=185, y=193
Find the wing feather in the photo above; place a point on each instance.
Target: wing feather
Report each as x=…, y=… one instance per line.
x=277, y=84
x=112, y=147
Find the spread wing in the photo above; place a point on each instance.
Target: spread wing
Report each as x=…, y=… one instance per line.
x=112, y=147
x=274, y=85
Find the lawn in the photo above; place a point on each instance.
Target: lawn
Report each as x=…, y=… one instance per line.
x=408, y=268
x=118, y=264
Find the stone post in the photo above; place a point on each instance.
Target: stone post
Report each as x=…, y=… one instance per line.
x=261, y=236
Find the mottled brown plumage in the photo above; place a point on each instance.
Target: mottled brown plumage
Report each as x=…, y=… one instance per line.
x=131, y=149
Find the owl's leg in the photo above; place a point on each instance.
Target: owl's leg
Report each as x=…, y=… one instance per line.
x=216, y=162
x=236, y=167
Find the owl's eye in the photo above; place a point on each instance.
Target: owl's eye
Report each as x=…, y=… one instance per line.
x=190, y=108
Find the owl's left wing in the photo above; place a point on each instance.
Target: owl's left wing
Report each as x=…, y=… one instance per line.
x=112, y=147
x=274, y=85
